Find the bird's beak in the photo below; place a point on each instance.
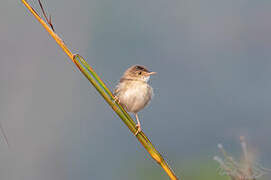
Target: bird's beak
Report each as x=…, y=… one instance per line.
x=151, y=73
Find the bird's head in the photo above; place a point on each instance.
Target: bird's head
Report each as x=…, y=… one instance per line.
x=138, y=72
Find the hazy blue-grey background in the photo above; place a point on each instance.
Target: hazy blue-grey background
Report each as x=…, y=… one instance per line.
x=213, y=85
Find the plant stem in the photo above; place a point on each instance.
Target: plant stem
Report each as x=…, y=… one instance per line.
x=95, y=80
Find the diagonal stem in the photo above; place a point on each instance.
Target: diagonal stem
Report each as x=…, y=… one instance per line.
x=96, y=81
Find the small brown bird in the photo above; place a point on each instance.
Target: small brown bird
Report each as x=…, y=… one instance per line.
x=133, y=91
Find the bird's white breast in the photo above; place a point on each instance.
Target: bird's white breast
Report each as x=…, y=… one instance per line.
x=136, y=97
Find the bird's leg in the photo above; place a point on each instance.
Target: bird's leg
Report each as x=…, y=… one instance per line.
x=138, y=125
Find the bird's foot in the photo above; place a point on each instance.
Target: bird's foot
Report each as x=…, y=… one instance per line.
x=138, y=126
x=74, y=56
x=116, y=99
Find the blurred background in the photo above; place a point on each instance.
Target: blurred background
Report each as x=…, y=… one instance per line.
x=213, y=86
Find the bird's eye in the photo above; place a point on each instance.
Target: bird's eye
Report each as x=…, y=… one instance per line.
x=140, y=73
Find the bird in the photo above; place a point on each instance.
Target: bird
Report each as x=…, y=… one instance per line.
x=133, y=91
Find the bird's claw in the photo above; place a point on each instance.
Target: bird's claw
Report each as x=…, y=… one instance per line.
x=116, y=99
x=138, y=129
